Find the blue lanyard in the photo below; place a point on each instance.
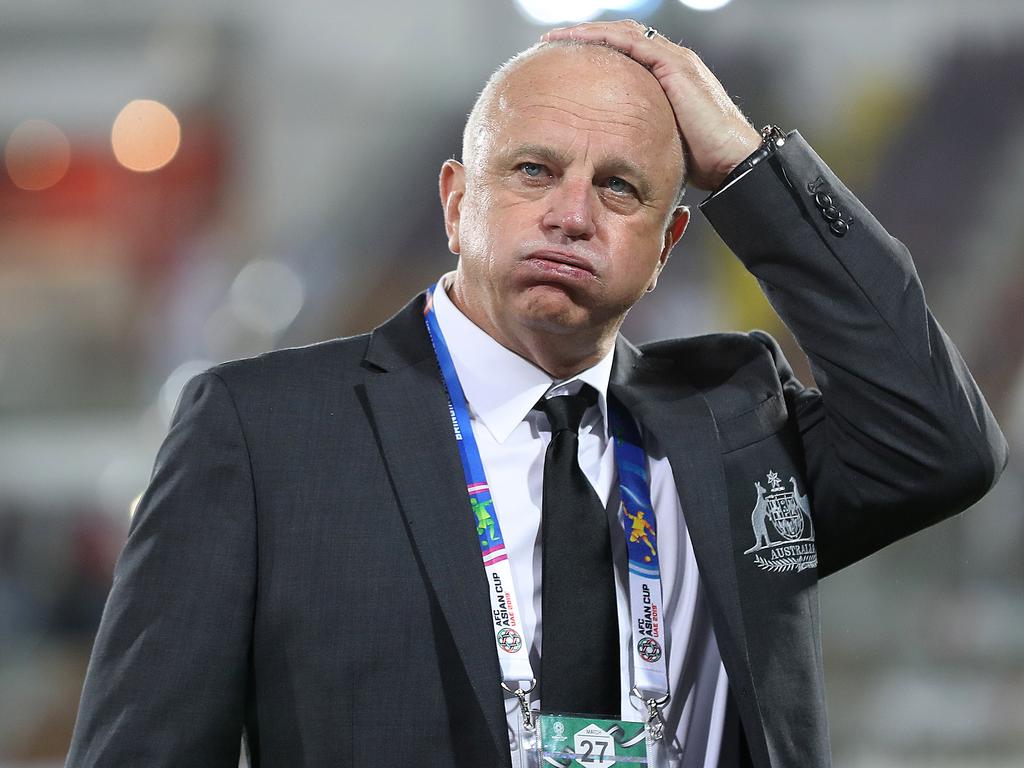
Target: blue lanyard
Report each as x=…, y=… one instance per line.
x=639, y=527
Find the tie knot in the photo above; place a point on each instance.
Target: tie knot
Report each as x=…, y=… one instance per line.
x=566, y=411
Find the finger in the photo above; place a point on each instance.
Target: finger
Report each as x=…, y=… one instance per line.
x=626, y=36
x=598, y=30
x=584, y=25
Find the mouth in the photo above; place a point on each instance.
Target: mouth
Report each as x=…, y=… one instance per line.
x=561, y=263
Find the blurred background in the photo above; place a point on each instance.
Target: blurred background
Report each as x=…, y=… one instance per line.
x=188, y=182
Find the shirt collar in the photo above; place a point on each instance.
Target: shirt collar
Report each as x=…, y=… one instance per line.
x=501, y=387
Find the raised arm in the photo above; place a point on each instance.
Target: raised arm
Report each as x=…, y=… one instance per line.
x=899, y=436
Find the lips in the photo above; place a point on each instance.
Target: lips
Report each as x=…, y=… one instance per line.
x=556, y=259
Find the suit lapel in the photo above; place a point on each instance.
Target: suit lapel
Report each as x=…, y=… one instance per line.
x=679, y=418
x=409, y=406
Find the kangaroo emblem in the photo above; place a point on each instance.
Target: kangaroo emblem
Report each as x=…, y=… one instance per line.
x=805, y=506
x=757, y=520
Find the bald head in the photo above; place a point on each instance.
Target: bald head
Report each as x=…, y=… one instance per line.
x=561, y=64
x=565, y=207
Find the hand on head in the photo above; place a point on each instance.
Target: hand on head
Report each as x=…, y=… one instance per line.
x=717, y=135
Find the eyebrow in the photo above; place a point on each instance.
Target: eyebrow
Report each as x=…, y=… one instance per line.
x=613, y=167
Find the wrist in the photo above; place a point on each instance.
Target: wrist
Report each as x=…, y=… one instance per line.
x=772, y=138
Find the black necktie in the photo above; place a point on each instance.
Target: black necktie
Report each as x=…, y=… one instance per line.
x=580, y=645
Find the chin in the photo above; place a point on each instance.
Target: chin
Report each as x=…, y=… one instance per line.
x=551, y=309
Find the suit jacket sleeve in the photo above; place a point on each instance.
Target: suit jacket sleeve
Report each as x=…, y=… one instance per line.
x=899, y=436
x=166, y=681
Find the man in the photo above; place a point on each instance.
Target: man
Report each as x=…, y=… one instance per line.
x=306, y=562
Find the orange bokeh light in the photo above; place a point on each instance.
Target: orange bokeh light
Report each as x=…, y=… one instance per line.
x=37, y=155
x=146, y=135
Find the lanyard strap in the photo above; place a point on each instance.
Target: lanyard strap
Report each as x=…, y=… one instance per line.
x=638, y=521
x=640, y=525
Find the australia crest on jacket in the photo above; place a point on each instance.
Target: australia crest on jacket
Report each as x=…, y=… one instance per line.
x=783, y=528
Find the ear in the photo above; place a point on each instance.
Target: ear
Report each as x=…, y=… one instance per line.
x=452, y=186
x=673, y=232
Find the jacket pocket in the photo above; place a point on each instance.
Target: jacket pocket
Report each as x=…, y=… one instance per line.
x=764, y=420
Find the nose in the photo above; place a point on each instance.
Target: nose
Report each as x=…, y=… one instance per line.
x=571, y=208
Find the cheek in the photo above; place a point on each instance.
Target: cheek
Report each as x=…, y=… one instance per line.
x=492, y=229
x=473, y=227
x=638, y=250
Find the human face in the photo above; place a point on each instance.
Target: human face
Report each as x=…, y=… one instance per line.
x=565, y=212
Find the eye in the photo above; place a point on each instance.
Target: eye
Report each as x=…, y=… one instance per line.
x=533, y=170
x=620, y=186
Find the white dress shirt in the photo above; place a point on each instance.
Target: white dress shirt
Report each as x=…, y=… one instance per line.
x=501, y=389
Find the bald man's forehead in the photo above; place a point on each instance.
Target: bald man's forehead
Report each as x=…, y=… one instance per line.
x=573, y=65
x=594, y=54
x=594, y=87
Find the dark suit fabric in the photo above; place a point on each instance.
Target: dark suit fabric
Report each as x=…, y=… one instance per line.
x=303, y=563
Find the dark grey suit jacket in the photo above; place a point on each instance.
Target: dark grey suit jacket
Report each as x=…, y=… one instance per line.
x=303, y=563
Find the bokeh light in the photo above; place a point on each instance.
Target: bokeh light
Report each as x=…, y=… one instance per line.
x=705, y=5
x=266, y=296
x=559, y=11
x=146, y=135
x=636, y=7
x=37, y=155
x=548, y=12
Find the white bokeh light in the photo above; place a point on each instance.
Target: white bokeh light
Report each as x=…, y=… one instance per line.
x=549, y=12
x=560, y=11
x=266, y=296
x=625, y=6
x=705, y=5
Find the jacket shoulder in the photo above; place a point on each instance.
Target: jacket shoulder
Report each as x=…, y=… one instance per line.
x=714, y=359
x=741, y=375
x=333, y=360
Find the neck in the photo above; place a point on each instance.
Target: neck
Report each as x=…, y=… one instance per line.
x=560, y=355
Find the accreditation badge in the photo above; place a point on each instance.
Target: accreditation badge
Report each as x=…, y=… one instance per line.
x=571, y=741
x=576, y=741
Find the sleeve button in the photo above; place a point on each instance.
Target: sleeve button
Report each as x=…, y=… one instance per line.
x=822, y=200
x=839, y=227
x=831, y=213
